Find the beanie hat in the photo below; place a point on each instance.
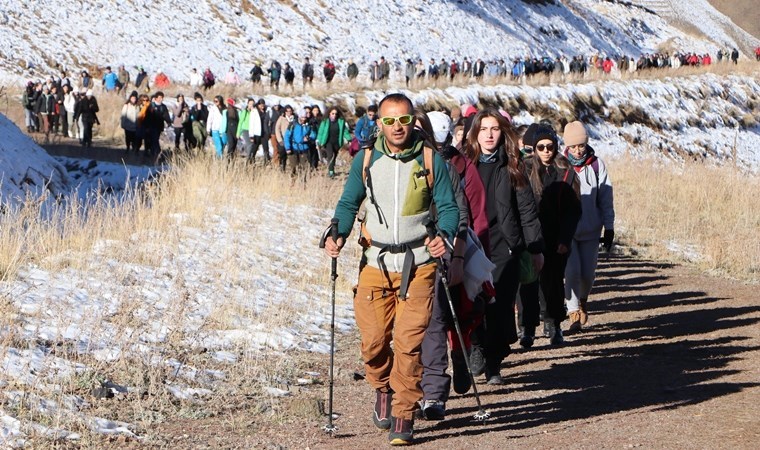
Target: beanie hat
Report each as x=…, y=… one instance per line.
x=542, y=132
x=302, y=114
x=469, y=110
x=230, y=102
x=575, y=133
x=441, y=125
x=89, y=93
x=529, y=136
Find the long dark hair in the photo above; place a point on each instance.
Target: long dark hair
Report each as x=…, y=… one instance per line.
x=559, y=162
x=425, y=128
x=220, y=99
x=508, y=142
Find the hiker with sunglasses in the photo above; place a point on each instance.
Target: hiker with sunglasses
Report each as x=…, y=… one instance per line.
x=598, y=212
x=397, y=274
x=556, y=190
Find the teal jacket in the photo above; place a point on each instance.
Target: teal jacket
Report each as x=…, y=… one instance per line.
x=398, y=206
x=344, y=135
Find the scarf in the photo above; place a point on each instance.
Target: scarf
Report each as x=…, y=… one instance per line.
x=489, y=159
x=577, y=162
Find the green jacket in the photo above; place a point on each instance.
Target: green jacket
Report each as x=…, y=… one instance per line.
x=344, y=135
x=243, y=122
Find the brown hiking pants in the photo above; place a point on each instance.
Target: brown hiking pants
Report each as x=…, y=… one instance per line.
x=382, y=317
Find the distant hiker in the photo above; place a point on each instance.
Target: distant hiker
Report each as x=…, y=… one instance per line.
x=513, y=229
x=87, y=109
x=209, y=80
x=735, y=56
x=196, y=80
x=297, y=141
x=233, y=117
x=556, y=189
x=352, y=71
x=181, y=122
x=307, y=72
x=409, y=71
x=289, y=75
x=275, y=71
x=86, y=80
x=124, y=78
x=757, y=54
x=216, y=127
x=43, y=108
x=249, y=122
x=29, y=101
x=155, y=119
x=198, y=119
x=385, y=69
x=261, y=136
x=333, y=134
x=597, y=212
x=329, y=71
x=161, y=81
x=129, y=113
x=366, y=126
x=142, y=77
x=256, y=73
x=398, y=269
x=232, y=77
x=67, y=115
x=110, y=80
x=280, y=128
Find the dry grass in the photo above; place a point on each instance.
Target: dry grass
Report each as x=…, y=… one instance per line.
x=142, y=227
x=712, y=211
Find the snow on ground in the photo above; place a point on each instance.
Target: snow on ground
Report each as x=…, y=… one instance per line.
x=224, y=34
x=75, y=307
x=26, y=167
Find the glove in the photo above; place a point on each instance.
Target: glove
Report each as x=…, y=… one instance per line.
x=609, y=236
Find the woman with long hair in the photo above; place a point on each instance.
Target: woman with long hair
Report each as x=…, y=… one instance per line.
x=129, y=113
x=556, y=189
x=217, y=124
x=332, y=136
x=513, y=228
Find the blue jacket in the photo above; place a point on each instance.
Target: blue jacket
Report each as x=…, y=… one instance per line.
x=109, y=80
x=294, y=137
x=365, y=128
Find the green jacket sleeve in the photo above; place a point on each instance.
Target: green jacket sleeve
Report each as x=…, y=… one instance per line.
x=352, y=197
x=324, y=129
x=346, y=133
x=443, y=196
x=243, y=119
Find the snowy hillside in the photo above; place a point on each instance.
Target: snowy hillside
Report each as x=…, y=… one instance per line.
x=177, y=35
x=26, y=167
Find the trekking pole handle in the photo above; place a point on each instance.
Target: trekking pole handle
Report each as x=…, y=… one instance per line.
x=334, y=229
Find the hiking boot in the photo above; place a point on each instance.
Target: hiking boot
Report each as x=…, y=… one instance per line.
x=461, y=378
x=493, y=377
x=381, y=415
x=477, y=361
x=432, y=410
x=583, y=311
x=557, y=338
x=402, y=431
x=575, y=322
x=529, y=335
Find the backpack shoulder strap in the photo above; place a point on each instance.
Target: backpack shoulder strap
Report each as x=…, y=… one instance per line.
x=367, y=161
x=427, y=159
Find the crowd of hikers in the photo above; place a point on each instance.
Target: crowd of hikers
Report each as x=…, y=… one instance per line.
x=511, y=217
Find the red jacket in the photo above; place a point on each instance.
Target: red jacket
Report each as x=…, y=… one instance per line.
x=475, y=192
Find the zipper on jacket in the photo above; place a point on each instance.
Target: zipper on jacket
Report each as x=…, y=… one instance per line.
x=396, y=211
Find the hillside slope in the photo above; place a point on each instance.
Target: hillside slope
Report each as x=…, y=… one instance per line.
x=744, y=13
x=176, y=35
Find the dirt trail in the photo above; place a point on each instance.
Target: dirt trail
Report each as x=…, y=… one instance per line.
x=671, y=359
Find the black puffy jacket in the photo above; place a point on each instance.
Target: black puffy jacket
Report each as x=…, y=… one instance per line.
x=512, y=214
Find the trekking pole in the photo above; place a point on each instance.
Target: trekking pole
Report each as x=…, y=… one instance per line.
x=332, y=231
x=482, y=414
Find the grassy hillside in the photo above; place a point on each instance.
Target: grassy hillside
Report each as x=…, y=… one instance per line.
x=744, y=13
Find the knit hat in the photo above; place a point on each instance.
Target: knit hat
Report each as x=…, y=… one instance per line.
x=469, y=110
x=575, y=133
x=302, y=114
x=441, y=125
x=230, y=102
x=543, y=131
x=88, y=93
x=529, y=138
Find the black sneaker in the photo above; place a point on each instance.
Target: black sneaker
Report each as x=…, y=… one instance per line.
x=477, y=361
x=402, y=431
x=461, y=378
x=529, y=335
x=432, y=410
x=557, y=338
x=381, y=415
